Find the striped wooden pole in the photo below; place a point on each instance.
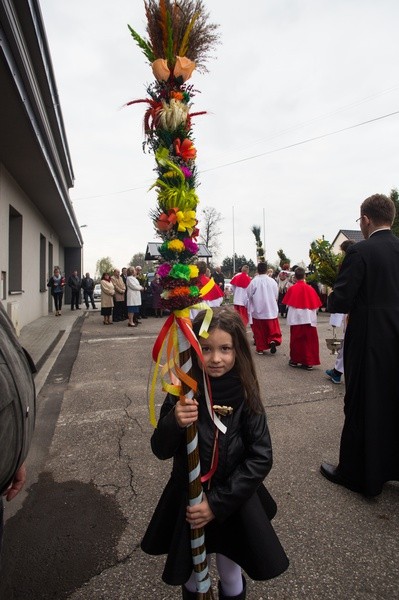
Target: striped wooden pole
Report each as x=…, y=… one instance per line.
x=198, y=550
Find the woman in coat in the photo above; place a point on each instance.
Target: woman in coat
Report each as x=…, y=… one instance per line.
x=56, y=284
x=133, y=298
x=107, y=298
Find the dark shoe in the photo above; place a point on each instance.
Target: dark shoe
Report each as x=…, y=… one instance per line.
x=293, y=364
x=307, y=367
x=333, y=474
x=186, y=595
x=273, y=348
x=241, y=596
x=259, y=352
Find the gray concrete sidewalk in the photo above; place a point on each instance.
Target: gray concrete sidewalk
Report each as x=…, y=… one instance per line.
x=45, y=337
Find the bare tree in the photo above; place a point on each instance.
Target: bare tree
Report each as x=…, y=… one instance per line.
x=209, y=228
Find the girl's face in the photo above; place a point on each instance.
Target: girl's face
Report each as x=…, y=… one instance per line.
x=218, y=352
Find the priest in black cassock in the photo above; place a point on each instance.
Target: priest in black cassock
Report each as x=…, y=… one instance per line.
x=367, y=288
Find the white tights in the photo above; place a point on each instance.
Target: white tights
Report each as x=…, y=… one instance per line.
x=229, y=573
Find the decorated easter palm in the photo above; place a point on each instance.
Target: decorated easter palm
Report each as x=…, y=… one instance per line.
x=179, y=41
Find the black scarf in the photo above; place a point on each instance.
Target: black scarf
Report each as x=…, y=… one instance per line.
x=227, y=390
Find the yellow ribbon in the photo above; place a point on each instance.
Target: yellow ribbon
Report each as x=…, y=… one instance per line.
x=168, y=337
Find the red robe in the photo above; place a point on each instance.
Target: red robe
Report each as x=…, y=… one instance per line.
x=214, y=293
x=304, y=341
x=241, y=280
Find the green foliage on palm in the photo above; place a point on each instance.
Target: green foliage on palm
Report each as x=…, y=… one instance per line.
x=324, y=262
x=283, y=258
x=260, y=253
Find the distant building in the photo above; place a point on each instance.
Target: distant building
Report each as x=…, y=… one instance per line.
x=38, y=226
x=345, y=234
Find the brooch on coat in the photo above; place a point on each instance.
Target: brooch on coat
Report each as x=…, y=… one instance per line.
x=222, y=410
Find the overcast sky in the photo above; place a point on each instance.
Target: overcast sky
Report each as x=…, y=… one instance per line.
x=286, y=72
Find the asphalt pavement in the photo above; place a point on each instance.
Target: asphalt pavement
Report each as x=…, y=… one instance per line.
x=75, y=531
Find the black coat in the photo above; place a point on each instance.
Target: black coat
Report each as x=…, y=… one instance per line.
x=241, y=504
x=367, y=288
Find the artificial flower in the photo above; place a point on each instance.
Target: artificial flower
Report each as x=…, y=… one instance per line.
x=173, y=114
x=164, y=270
x=193, y=271
x=190, y=246
x=185, y=149
x=186, y=172
x=179, y=271
x=160, y=69
x=175, y=246
x=179, y=291
x=183, y=68
x=165, y=221
x=170, y=196
x=194, y=290
x=177, y=95
x=186, y=219
x=195, y=233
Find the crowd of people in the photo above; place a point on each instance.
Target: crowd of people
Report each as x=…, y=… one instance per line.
x=260, y=300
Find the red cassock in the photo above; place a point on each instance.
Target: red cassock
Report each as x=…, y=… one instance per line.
x=241, y=280
x=302, y=295
x=304, y=341
x=214, y=293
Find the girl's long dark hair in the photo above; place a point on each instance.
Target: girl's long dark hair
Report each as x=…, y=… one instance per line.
x=229, y=320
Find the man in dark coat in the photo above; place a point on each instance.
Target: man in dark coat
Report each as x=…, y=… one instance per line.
x=367, y=288
x=75, y=283
x=218, y=277
x=88, y=290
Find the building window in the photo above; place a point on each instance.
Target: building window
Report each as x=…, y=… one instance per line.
x=15, y=251
x=43, y=282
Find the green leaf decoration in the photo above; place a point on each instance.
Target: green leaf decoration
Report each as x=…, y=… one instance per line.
x=145, y=47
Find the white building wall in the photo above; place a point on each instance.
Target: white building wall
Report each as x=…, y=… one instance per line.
x=337, y=242
x=32, y=303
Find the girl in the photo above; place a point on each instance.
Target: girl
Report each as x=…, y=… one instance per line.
x=236, y=508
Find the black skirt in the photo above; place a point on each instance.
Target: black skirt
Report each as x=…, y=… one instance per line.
x=246, y=537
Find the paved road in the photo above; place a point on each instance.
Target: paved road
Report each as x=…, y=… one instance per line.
x=94, y=482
